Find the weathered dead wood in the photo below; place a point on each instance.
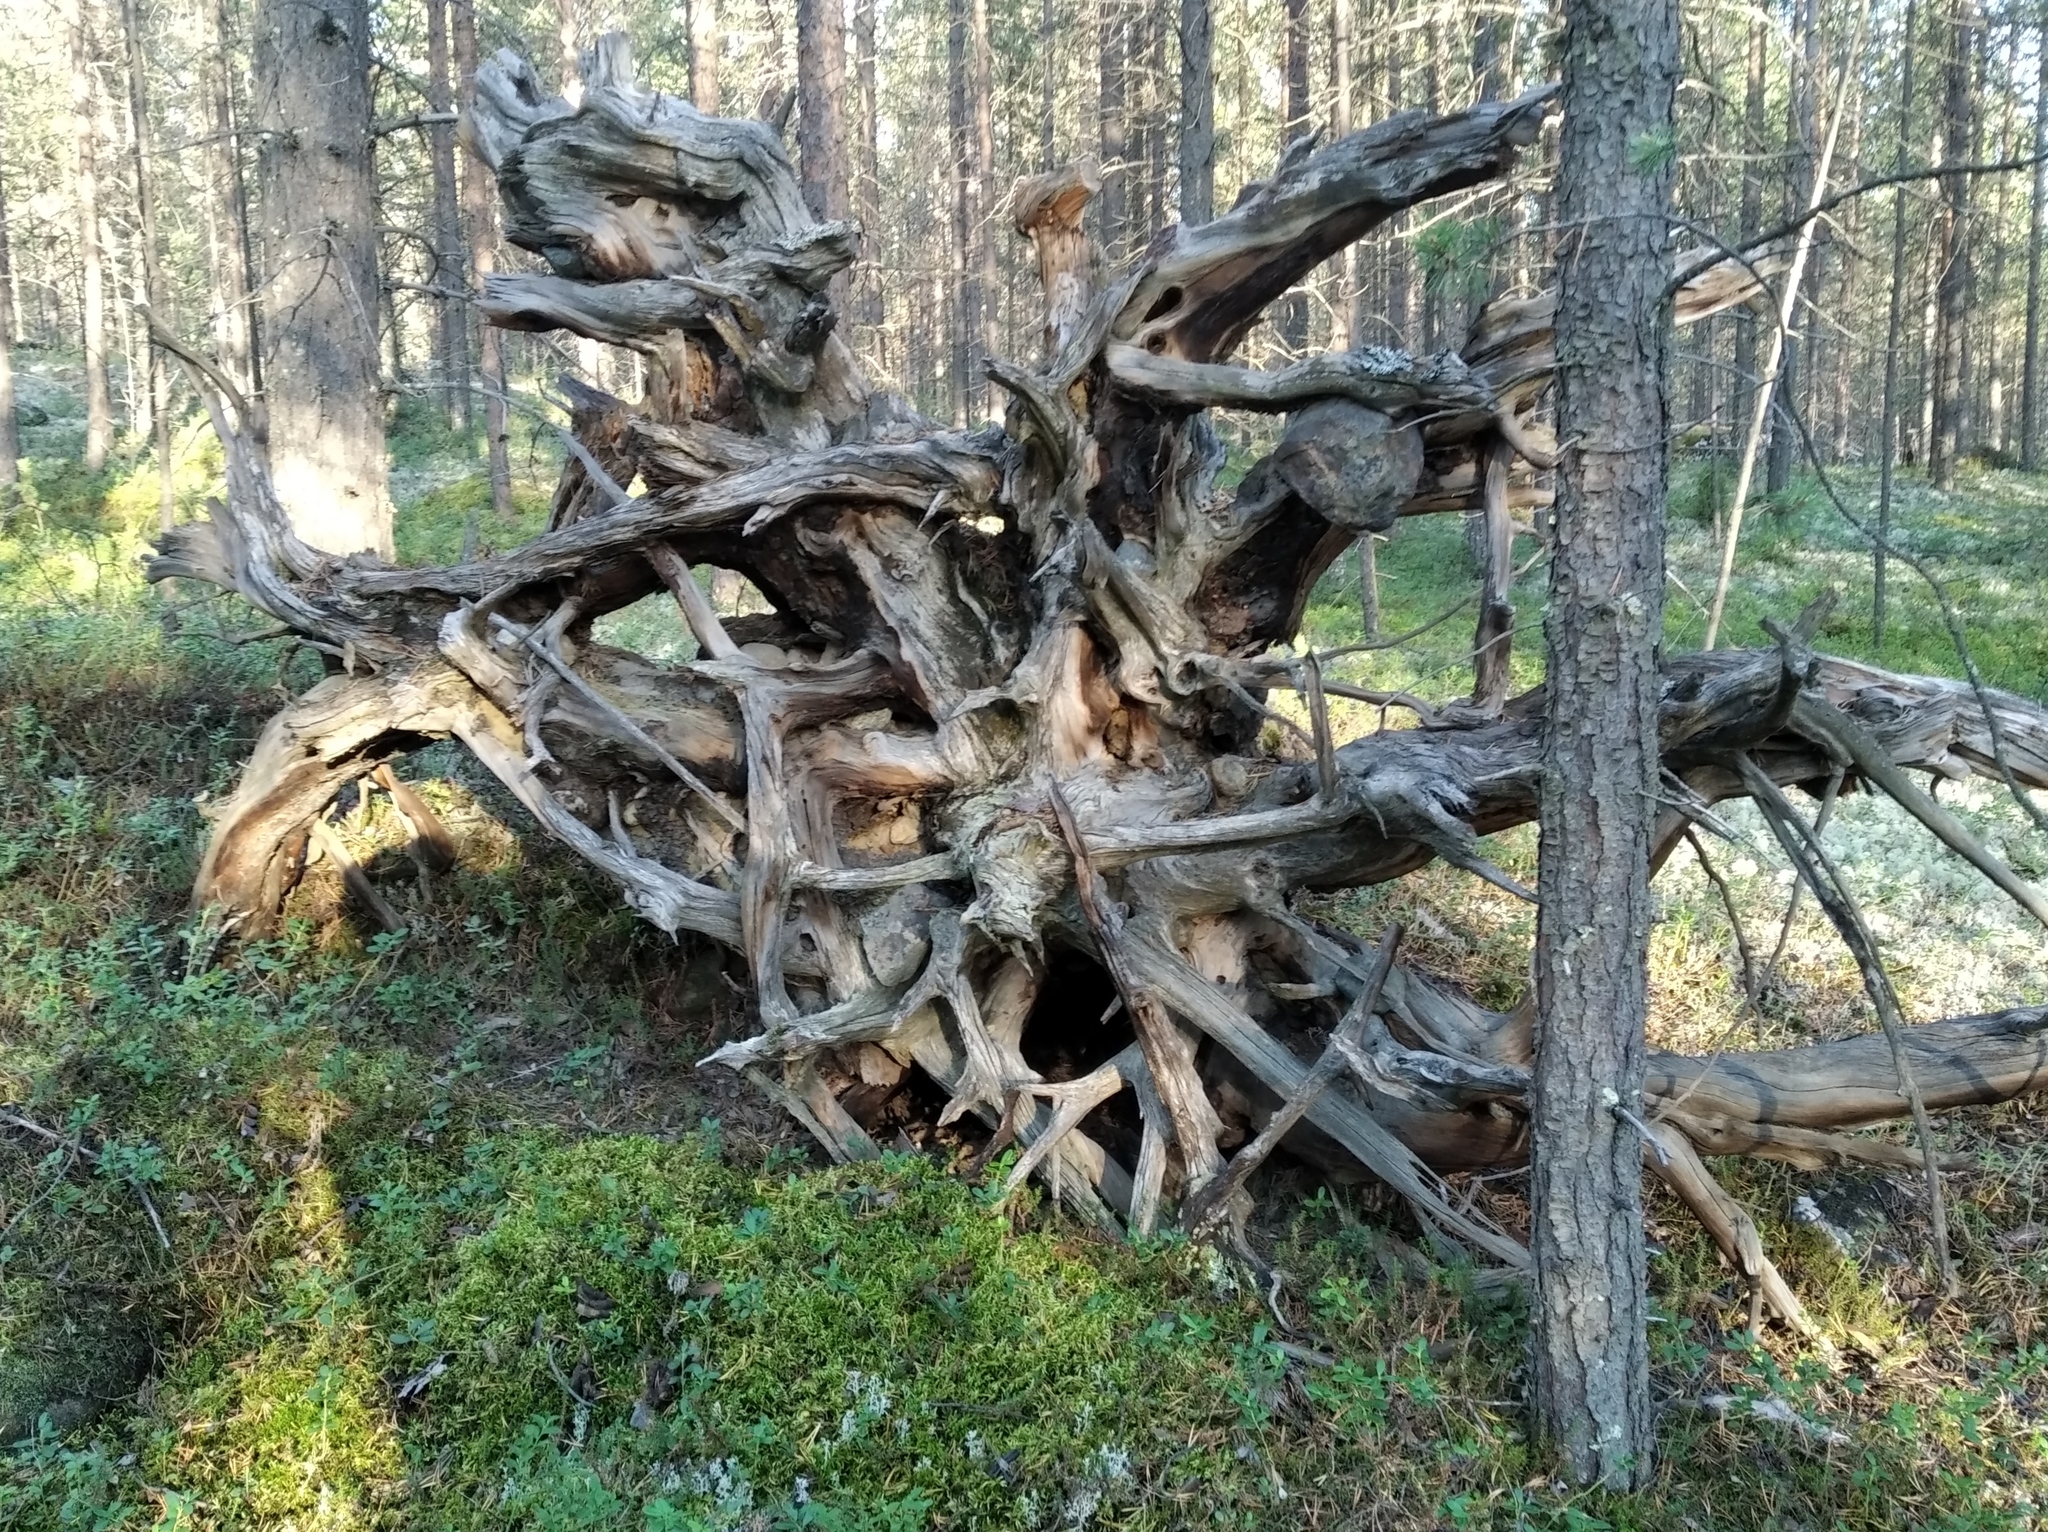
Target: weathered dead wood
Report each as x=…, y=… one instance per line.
x=1007, y=703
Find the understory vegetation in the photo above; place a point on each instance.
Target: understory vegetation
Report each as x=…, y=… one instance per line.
x=442, y=1229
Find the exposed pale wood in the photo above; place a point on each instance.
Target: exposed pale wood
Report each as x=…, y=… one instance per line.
x=1007, y=696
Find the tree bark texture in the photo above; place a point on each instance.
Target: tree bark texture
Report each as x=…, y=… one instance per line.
x=1197, y=113
x=326, y=416
x=1006, y=711
x=1600, y=743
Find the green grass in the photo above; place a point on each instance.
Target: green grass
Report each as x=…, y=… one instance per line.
x=387, y=1161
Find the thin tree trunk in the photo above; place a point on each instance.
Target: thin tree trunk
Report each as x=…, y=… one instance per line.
x=234, y=281
x=1800, y=131
x=152, y=271
x=1888, y=421
x=326, y=416
x=982, y=207
x=1048, y=82
x=480, y=227
x=99, y=405
x=1750, y=214
x=1397, y=247
x=821, y=123
x=566, y=52
x=1294, y=119
x=868, y=176
x=1113, y=30
x=966, y=288
x=1348, y=309
x=704, y=52
x=10, y=434
x=1952, y=289
x=1777, y=348
x=451, y=330
x=1197, y=113
x=1600, y=761
x=2030, y=375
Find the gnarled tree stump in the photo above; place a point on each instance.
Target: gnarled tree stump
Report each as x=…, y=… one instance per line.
x=1007, y=707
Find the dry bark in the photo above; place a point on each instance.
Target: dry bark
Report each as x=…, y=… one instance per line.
x=1008, y=703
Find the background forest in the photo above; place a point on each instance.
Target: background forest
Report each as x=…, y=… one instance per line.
x=352, y=1230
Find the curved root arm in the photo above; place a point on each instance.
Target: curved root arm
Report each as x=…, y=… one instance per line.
x=1007, y=705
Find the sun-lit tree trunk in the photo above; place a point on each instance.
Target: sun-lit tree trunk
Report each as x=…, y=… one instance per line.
x=821, y=120
x=982, y=204
x=967, y=295
x=1112, y=41
x=10, y=433
x=1952, y=286
x=480, y=230
x=2030, y=377
x=151, y=263
x=1888, y=415
x=319, y=214
x=451, y=318
x=99, y=405
x=867, y=192
x=1600, y=755
x=704, y=54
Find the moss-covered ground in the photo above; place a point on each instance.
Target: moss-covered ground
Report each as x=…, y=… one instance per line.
x=444, y=1231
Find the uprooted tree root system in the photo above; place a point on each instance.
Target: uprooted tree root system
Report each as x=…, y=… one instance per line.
x=995, y=759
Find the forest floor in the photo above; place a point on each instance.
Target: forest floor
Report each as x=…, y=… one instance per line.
x=348, y=1231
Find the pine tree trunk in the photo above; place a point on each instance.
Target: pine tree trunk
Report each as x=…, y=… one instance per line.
x=1113, y=32
x=704, y=54
x=966, y=326
x=326, y=414
x=1348, y=308
x=1750, y=214
x=1952, y=287
x=2030, y=375
x=1197, y=113
x=233, y=277
x=1294, y=121
x=821, y=121
x=480, y=230
x=1888, y=421
x=10, y=433
x=867, y=200
x=152, y=271
x=451, y=316
x=99, y=404
x=1600, y=752
x=983, y=202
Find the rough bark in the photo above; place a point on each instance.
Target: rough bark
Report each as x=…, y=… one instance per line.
x=820, y=121
x=326, y=418
x=1197, y=113
x=1005, y=712
x=1600, y=758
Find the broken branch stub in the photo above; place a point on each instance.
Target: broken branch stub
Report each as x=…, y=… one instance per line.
x=1002, y=720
